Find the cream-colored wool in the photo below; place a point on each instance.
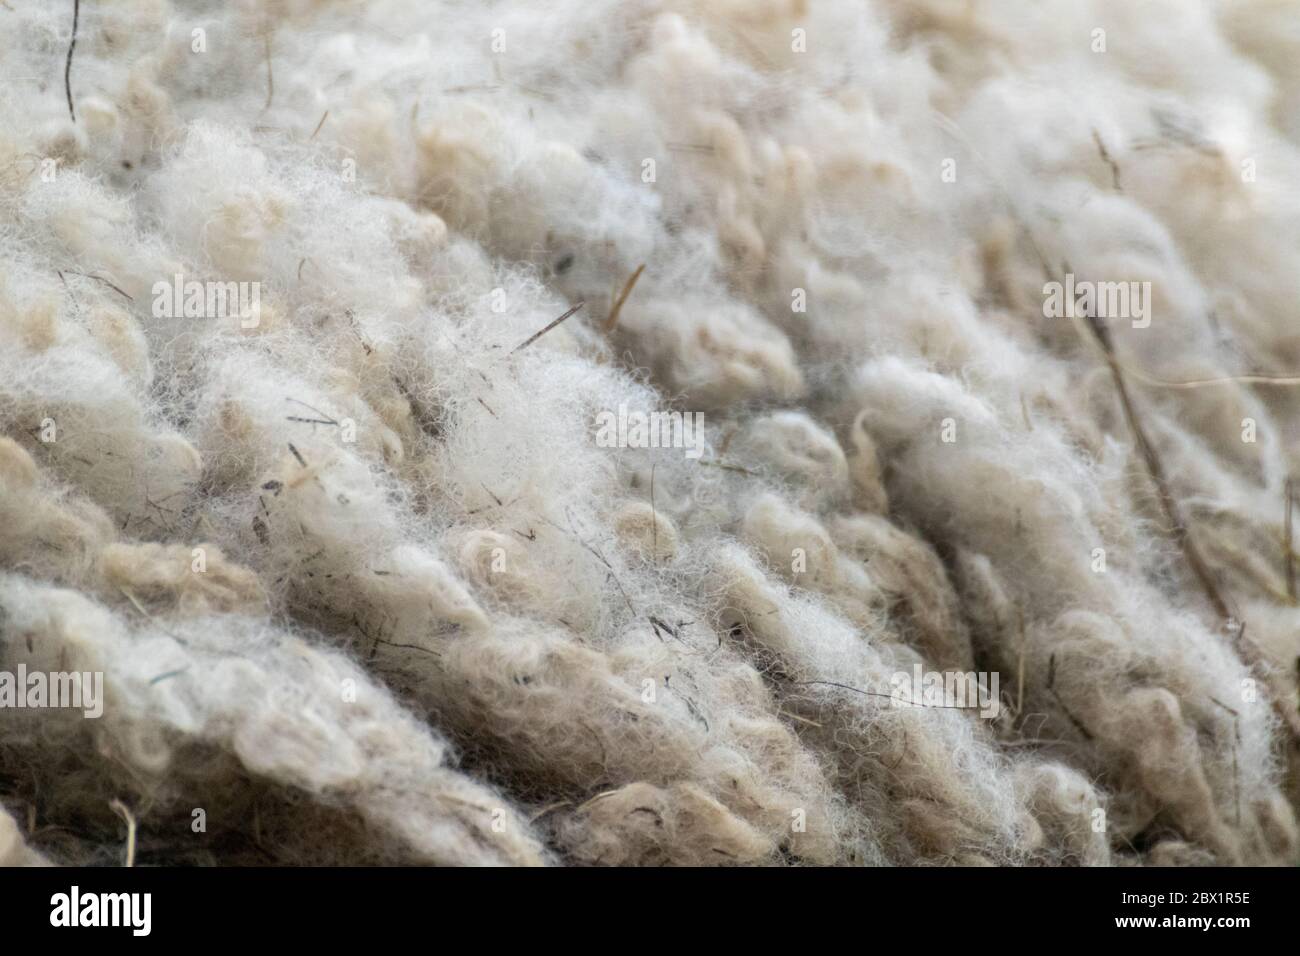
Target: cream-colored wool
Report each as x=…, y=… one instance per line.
x=366, y=585
x=13, y=850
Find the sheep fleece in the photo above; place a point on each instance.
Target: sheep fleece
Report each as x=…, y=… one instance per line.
x=379, y=564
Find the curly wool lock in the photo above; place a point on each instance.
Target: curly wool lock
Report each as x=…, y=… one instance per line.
x=365, y=586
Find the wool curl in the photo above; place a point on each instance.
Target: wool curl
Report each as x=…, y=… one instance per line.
x=366, y=585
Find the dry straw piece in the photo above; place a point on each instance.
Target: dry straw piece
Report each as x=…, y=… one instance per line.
x=366, y=584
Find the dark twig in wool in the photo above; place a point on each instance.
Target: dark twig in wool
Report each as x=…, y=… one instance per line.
x=86, y=275
x=1051, y=689
x=67, y=70
x=325, y=417
x=537, y=335
x=1108, y=160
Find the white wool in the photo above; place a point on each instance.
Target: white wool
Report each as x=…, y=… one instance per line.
x=365, y=583
x=303, y=719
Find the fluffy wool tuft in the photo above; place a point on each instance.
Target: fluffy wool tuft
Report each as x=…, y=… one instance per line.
x=366, y=585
